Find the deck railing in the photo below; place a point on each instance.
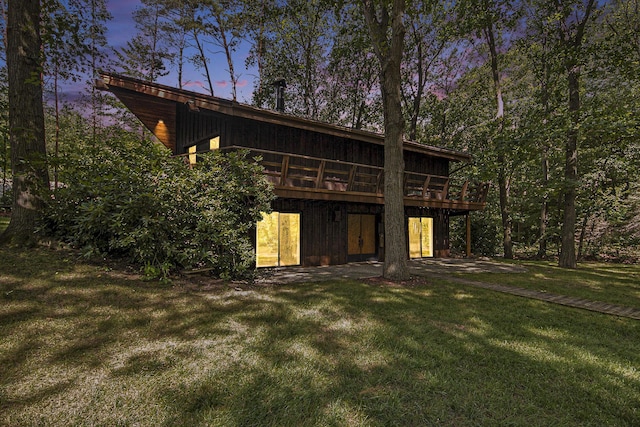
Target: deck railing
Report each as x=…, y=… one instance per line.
x=285, y=170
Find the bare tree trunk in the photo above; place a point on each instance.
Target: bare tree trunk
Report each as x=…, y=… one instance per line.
x=26, y=121
x=573, y=45
x=544, y=214
x=227, y=51
x=388, y=46
x=57, y=133
x=568, y=249
x=413, y=124
x=203, y=58
x=544, y=207
x=505, y=214
x=583, y=232
x=503, y=180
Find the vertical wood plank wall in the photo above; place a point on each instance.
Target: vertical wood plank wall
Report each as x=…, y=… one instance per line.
x=324, y=233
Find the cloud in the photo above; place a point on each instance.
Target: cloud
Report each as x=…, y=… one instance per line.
x=193, y=83
x=242, y=83
x=222, y=83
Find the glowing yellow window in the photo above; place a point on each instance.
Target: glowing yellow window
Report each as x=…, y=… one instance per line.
x=420, y=237
x=278, y=240
x=192, y=154
x=214, y=143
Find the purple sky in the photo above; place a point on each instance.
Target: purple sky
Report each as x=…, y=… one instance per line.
x=121, y=28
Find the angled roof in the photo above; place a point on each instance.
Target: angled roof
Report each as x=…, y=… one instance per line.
x=152, y=102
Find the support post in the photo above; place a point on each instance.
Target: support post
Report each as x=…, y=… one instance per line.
x=468, y=234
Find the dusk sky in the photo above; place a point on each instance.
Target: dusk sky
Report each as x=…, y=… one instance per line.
x=122, y=28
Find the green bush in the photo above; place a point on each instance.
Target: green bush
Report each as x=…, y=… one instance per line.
x=132, y=200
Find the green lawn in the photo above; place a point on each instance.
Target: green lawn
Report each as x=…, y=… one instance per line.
x=86, y=345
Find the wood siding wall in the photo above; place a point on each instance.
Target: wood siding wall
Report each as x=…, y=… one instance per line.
x=199, y=127
x=324, y=233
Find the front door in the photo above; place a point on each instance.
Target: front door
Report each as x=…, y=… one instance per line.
x=362, y=237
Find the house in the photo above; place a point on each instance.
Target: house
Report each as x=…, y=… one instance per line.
x=328, y=179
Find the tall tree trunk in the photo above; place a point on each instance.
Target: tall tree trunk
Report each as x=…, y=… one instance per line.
x=583, y=233
x=573, y=45
x=544, y=208
x=417, y=100
x=94, y=93
x=503, y=180
x=505, y=214
x=227, y=51
x=26, y=121
x=57, y=131
x=544, y=154
x=388, y=46
x=568, y=249
x=203, y=58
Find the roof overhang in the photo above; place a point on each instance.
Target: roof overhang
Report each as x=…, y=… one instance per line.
x=155, y=105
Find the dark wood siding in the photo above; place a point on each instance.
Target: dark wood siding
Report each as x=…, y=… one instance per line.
x=324, y=233
x=271, y=137
x=416, y=162
x=198, y=128
x=324, y=228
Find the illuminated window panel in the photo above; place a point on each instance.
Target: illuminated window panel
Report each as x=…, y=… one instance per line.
x=427, y=237
x=214, y=143
x=192, y=155
x=420, y=237
x=278, y=240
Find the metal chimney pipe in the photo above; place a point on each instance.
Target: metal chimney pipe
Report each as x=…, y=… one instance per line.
x=280, y=85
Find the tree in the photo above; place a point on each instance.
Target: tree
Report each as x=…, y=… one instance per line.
x=72, y=43
x=545, y=68
x=386, y=28
x=146, y=54
x=488, y=19
x=571, y=31
x=353, y=99
x=296, y=42
x=424, y=45
x=26, y=121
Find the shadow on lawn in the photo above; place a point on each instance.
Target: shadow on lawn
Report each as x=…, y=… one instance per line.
x=413, y=357
x=334, y=353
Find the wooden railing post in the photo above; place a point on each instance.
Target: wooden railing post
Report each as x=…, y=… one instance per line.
x=463, y=191
x=425, y=187
x=320, y=174
x=468, y=235
x=352, y=176
x=284, y=169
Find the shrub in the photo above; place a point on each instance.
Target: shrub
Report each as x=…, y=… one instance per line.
x=132, y=200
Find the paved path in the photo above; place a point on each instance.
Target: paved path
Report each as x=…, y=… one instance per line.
x=599, y=306
x=443, y=269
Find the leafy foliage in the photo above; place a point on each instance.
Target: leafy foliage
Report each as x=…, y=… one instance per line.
x=130, y=199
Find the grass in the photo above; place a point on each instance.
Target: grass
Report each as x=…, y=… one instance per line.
x=4, y=222
x=86, y=345
x=611, y=283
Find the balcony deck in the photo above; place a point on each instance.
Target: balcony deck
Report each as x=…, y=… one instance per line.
x=305, y=177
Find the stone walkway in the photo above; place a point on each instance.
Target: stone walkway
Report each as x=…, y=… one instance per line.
x=441, y=268
x=599, y=306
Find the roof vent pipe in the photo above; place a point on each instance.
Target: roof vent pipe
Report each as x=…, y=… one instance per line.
x=280, y=84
